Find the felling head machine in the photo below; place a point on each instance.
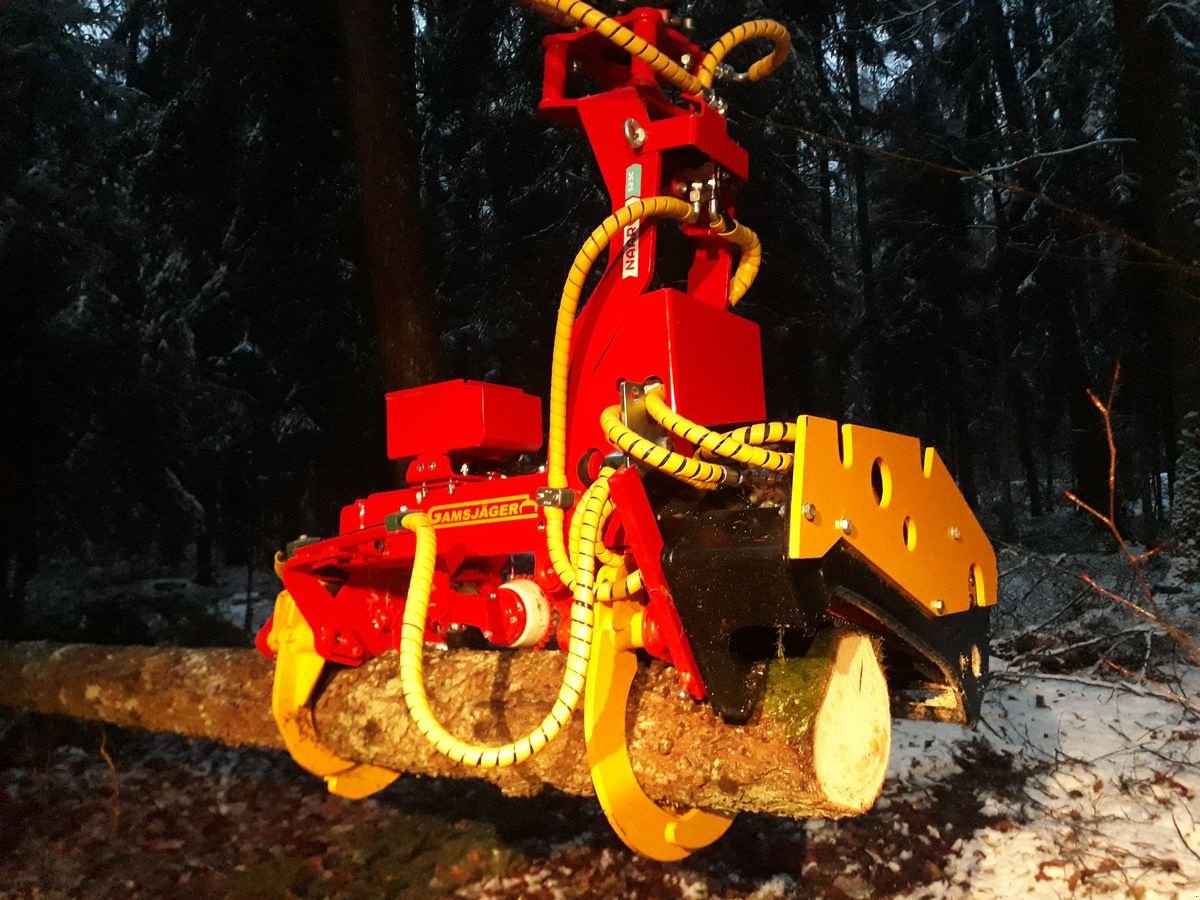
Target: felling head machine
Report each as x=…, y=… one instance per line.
x=661, y=524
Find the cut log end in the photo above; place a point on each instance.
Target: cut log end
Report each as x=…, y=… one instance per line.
x=833, y=708
x=852, y=735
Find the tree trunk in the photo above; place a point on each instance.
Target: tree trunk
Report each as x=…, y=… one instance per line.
x=681, y=751
x=1164, y=371
x=1185, y=511
x=379, y=82
x=824, y=175
x=858, y=166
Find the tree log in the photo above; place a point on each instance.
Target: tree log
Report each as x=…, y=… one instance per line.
x=682, y=752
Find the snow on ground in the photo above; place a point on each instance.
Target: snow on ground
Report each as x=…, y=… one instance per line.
x=1079, y=781
x=1110, y=804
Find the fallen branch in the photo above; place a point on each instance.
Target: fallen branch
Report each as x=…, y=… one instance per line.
x=682, y=752
x=1147, y=609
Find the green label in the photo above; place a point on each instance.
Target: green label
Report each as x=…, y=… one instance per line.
x=633, y=181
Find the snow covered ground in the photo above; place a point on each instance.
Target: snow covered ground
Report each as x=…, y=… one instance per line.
x=1081, y=780
x=1110, y=802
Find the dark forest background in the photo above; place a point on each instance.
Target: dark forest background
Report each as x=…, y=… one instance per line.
x=227, y=228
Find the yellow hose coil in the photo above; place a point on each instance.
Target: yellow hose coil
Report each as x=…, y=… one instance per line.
x=768, y=29
x=759, y=434
x=590, y=17
x=685, y=468
x=667, y=68
x=713, y=442
x=556, y=438
x=604, y=556
x=560, y=370
x=412, y=644
x=749, y=260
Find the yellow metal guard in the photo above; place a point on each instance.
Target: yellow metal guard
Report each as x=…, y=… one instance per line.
x=640, y=822
x=298, y=666
x=898, y=508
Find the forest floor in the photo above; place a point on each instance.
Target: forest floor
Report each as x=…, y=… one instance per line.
x=1080, y=780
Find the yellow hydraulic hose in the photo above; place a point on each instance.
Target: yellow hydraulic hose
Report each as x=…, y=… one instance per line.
x=412, y=643
x=749, y=260
x=767, y=29
x=694, y=471
x=759, y=434
x=667, y=68
x=556, y=436
x=711, y=441
x=590, y=17
x=604, y=556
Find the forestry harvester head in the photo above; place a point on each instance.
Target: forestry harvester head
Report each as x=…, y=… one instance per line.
x=661, y=524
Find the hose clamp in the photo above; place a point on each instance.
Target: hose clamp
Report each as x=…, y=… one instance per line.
x=726, y=72
x=559, y=498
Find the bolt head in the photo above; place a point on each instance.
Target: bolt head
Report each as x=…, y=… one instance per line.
x=810, y=511
x=939, y=606
x=845, y=525
x=955, y=533
x=635, y=134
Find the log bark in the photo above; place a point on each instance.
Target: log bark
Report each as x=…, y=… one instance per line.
x=682, y=753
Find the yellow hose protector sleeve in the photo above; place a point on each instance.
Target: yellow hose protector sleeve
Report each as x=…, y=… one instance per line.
x=556, y=438
x=622, y=37
x=748, y=263
x=412, y=646
x=758, y=434
x=711, y=441
x=693, y=471
x=767, y=29
x=604, y=556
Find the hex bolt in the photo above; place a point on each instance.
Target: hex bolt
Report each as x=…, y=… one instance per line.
x=939, y=606
x=635, y=134
x=810, y=511
x=845, y=526
x=955, y=533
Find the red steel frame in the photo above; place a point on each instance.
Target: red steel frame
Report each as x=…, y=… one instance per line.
x=350, y=588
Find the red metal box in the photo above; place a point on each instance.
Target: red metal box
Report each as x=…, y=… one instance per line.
x=473, y=418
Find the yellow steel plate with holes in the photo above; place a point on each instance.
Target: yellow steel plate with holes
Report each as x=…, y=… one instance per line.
x=898, y=508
